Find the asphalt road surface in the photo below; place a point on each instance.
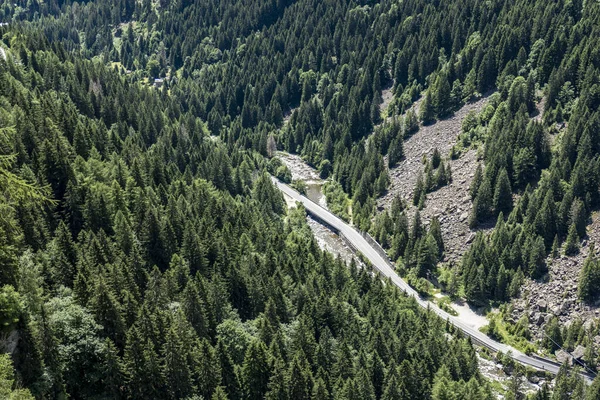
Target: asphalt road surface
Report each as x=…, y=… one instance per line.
x=383, y=266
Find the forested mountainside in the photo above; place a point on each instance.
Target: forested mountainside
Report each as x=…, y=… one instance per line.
x=141, y=259
x=146, y=254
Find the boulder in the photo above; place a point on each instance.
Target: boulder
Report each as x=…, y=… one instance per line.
x=471, y=238
x=542, y=305
x=579, y=352
x=562, y=357
x=538, y=319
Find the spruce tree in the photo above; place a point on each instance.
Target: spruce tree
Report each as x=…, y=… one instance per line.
x=419, y=189
x=435, y=230
x=476, y=182
x=503, y=201
x=436, y=158
x=441, y=176
x=300, y=381
x=256, y=371
x=320, y=391
x=208, y=369
x=572, y=242
x=589, y=278
x=220, y=394
x=443, y=101
x=482, y=204
x=396, y=152
x=427, y=109
x=176, y=371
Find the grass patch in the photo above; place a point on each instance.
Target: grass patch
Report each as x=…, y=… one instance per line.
x=446, y=304
x=508, y=333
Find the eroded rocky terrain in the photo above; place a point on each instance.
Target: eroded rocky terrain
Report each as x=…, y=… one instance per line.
x=451, y=203
x=557, y=295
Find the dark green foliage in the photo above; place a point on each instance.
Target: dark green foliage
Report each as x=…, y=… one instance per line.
x=572, y=242
x=476, y=182
x=396, y=152
x=482, y=205
x=589, y=278
x=503, y=201
x=139, y=183
x=427, y=109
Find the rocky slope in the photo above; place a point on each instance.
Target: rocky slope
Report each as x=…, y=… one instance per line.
x=451, y=203
x=541, y=300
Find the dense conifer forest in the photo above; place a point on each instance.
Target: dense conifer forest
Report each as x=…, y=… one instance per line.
x=146, y=254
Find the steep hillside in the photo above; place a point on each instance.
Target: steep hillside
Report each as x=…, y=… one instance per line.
x=451, y=203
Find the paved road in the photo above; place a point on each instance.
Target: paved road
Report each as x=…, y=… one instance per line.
x=384, y=267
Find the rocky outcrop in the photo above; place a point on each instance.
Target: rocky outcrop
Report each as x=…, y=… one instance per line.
x=451, y=203
x=557, y=296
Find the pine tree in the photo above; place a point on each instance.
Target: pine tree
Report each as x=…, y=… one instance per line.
x=427, y=109
x=503, y=201
x=589, y=278
x=208, y=369
x=320, y=391
x=436, y=158
x=112, y=371
x=176, y=371
x=477, y=180
x=277, y=384
x=427, y=256
x=482, y=204
x=229, y=374
x=419, y=189
x=396, y=152
x=552, y=336
x=435, y=230
x=256, y=371
x=572, y=242
x=443, y=101
x=300, y=381
x=219, y=394
x=107, y=312
x=411, y=123
x=394, y=389
x=537, y=258
x=441, y=176
x=195, y=310
x=554, y=252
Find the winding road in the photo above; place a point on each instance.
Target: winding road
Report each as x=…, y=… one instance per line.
x=386, y=269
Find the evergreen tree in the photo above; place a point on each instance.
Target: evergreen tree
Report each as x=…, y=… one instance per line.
x=256, y=371
x=482, y=204
x=443, y=100
x=589, y=278
x=476, y=182
x=208, y=369
x=435, y=230
x=419, y=191
x=396, y=152
x=572, y=242
x=427, y=109
x=176, y=371
x=503, y=193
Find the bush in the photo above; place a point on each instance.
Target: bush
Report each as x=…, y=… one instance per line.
x=10, y=307
x=284, y=174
